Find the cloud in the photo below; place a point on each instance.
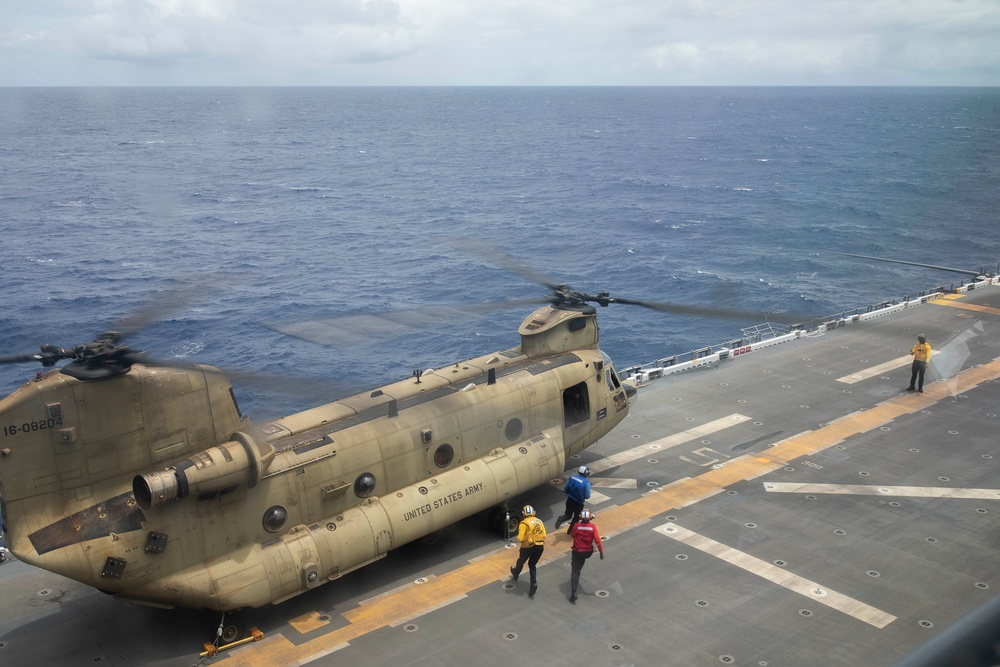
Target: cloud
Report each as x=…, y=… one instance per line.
x=511, y=41
x=256, y=32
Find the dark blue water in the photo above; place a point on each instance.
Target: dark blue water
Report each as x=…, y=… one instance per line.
x=293, y=204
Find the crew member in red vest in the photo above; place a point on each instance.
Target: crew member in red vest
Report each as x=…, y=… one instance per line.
x=585, y=538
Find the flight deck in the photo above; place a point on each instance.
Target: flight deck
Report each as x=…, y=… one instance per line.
x=792, y=505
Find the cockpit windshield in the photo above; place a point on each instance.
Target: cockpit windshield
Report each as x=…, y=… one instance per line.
x=609, y=373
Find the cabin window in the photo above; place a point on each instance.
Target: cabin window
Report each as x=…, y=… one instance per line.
x=576, y=404
x=513, y=429
x=364, y=485
x=444, y=455
x=274, y=518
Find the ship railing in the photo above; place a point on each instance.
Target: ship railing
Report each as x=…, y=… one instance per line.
x=767, y=334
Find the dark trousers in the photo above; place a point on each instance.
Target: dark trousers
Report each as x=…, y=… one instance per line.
x=577, y=561
x=573, y=510
x=917, y=371
x=530, y=554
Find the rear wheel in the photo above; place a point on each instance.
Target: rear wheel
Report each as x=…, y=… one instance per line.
x=503, y=522
x=231, y=631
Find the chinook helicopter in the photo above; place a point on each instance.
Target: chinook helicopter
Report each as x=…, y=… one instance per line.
x=144, y=480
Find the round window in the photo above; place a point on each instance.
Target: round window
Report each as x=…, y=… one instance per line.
x=513, y=429
x=444, y=455
x=364, y=485
x=274, y=518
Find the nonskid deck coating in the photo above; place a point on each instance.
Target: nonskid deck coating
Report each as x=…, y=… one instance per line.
x=761, y=512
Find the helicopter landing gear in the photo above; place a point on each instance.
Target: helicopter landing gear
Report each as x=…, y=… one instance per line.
x=230, y=629
x=502, y=521
x=228, y=635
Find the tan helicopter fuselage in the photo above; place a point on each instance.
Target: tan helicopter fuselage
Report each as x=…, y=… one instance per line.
x=151, y=485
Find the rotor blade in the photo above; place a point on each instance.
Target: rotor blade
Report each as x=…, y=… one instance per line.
x=497, y=257
x=287, y=385
x=902, y=261
x=364, y=328
x=315, y=389
x=707, y=311
x=169, y=301
x=20, y=358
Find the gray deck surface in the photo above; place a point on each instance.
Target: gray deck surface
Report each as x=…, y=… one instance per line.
x=716, y=553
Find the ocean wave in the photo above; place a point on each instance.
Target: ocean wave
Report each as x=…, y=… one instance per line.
x=321, y=217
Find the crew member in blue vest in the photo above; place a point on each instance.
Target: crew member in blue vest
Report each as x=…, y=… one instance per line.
x=577, y=491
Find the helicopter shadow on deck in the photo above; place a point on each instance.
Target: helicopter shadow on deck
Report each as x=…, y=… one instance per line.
x=437, y=553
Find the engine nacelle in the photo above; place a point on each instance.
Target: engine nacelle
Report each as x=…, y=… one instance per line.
x=224, y=466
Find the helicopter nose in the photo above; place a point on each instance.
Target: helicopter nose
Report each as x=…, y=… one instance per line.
x=631, y=392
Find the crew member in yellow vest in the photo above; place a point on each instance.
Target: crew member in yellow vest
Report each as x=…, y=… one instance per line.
x=921, y=355
x=531, y=535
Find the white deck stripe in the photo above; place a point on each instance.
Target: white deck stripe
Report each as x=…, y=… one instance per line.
x=615, y=483
x=642, y=451
x=878, y=370
x=874, y=490
x=652, y=448
x=780, y=576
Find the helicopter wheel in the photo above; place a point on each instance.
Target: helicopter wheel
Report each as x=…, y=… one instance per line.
x=500, y=514
x=231, y=631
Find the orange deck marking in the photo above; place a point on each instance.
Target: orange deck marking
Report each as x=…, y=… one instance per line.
x=967, y=306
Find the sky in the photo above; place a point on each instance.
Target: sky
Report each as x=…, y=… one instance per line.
x=499, y=42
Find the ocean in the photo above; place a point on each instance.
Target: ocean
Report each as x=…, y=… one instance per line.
x=287, y=205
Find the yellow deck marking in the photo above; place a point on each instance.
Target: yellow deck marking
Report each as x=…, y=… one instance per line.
x=308, y=622
x=414, y=601
x=967, y=306
x=779, y=576
x=874, y=490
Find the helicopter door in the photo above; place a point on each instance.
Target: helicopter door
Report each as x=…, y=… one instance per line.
x=576, y=404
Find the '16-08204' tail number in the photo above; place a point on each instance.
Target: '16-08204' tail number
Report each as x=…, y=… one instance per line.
x=28, y=427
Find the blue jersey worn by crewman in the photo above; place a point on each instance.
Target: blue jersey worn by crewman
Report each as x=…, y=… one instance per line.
x=577, y=488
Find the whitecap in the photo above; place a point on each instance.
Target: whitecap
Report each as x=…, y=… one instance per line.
x=186, y=349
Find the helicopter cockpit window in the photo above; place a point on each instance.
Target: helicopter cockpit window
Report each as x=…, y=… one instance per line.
x=364, y=485
x=444, y=455
x=612, y=379
x=274, y=518
x=609, y=374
